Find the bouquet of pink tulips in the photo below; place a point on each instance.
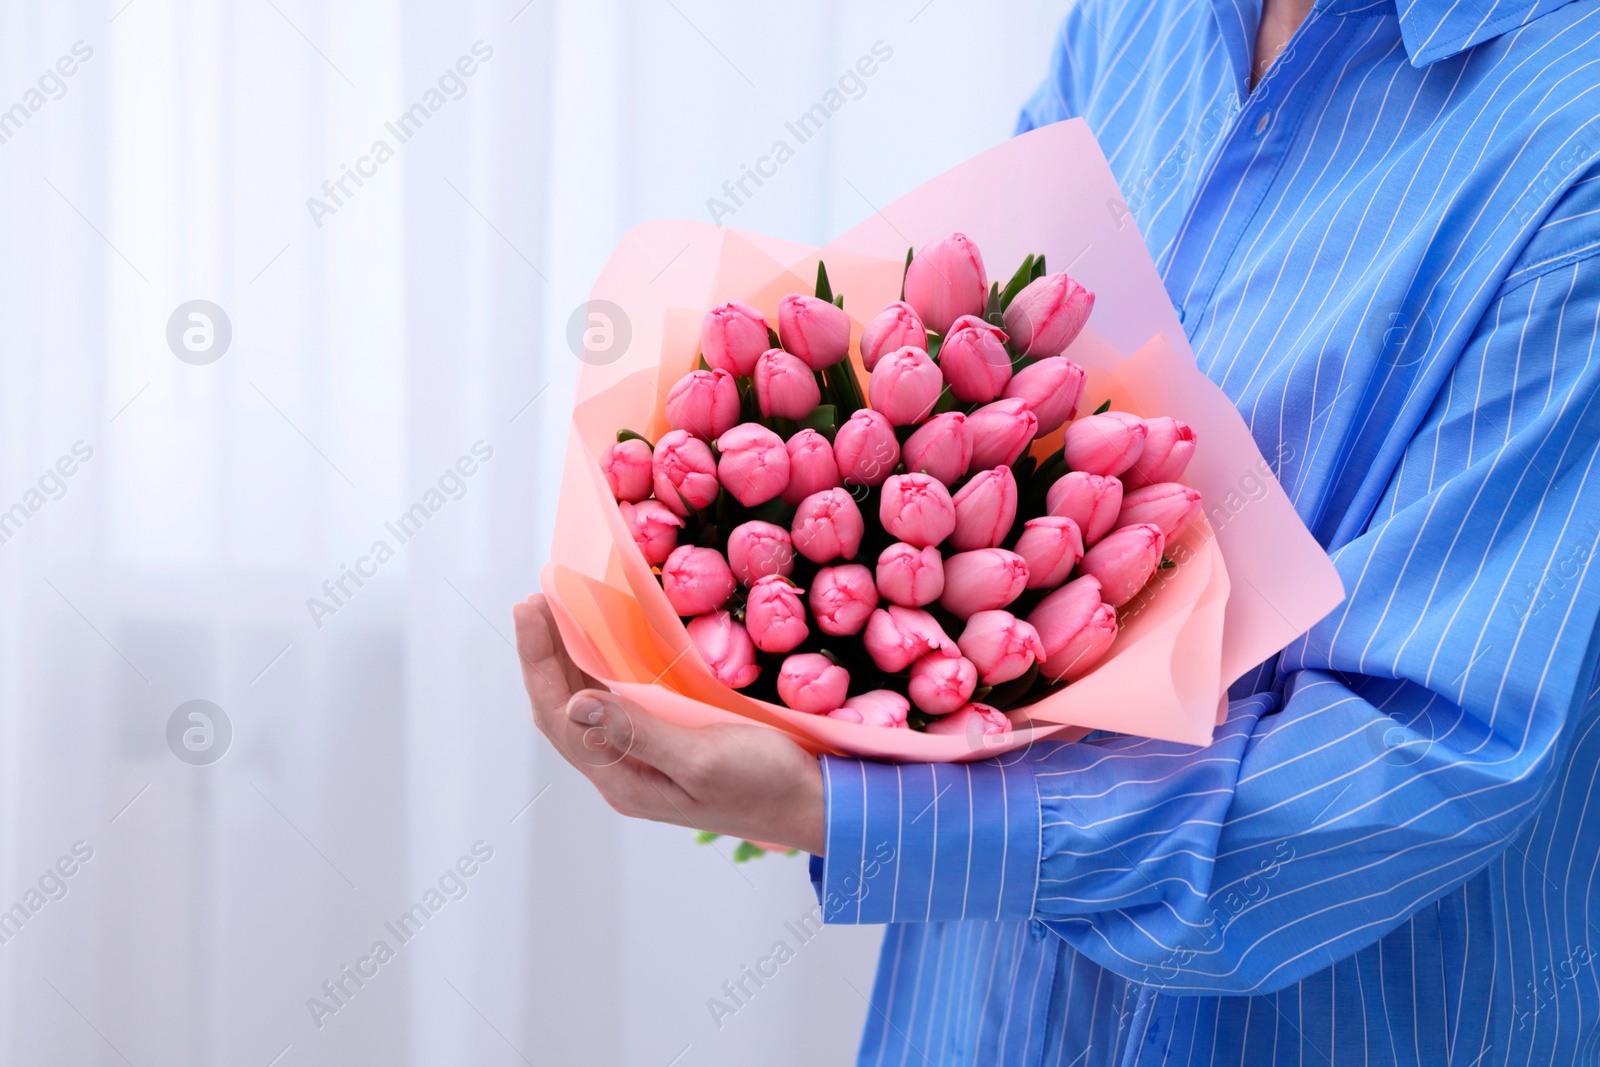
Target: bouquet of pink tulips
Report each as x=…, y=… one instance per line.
x=900, y=559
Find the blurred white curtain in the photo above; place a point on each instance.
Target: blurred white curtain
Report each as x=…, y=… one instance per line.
x=377, y=338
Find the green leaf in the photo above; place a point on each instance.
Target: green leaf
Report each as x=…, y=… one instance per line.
x=946, y=402
x=774, y=511
x=744, y=852
x=705, y=837
x=824, y=419
x=824, y=290
x=838, y=301
x=700, y=362
x=991, y=308
x=909, y=253
x=935, y=342
x=1017, y=282
x=1105, y=406
x=772, y=338
x=844, y=388
x=1038, y=270
x=1166, y=563
x=1007, y=694
x=629, y=435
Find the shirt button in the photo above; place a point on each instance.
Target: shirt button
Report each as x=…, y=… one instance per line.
x=1262, y=124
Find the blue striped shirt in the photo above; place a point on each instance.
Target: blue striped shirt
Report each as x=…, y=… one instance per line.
x=1385, y=255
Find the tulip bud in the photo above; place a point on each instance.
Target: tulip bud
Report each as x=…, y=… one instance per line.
x=697, y=581
x=982, y=580
x=897, y=637
x=757, y=549
x=940, y=447
x=1045, y=317
x=785, y=387
x=774, y=615
x=985, y=509
x=754, y=466
x=1124, y=560
x=1076, y=628
x=654, y=528
x=1001, y=432
x=945, y=281
x=865, y=449
x=916, y=509
x=733, y=336
x=684, y=474
x=842, y=598
x=880, y=707
x=811, y=466
x=1052, y=388
x=629, y=468
x=1052, y=546
x=828, y=526
x=1106, y=444
x=1171, y=506
x=896, y=326
x=978, y=722
x=974, y=360
x=942, y=681
x=909, y=576
x=815, y=330
x=1168, y=447
x=725, y=646
x=1000, y=645
x=905, y=386
x=704, y=402
x=813, y=683
x=1090, y=500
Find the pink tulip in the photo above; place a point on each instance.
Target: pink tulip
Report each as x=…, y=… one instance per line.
x=946, y=281
x=880, y=707
x=828, y=526
x=811, y=466
x=1090, y=500
x=697, y=581
x=1046, y=316
x=757, y=549
x=1168, y=505
x=909, y=576
x=1052, y=387
x=774, y=614
x=654, y=528
x=815, y=330
x=897, y=637
x=1052, y=545
x=842, y=599
x=1001, y=432
x=813, y=683
x=1106, y=444
x=628, y=467
x=917, y=509
x=982, y=580
x=941, y=447
x=974, y=360
x=905, y=386
x=704, y=402
x=865, y=449
x=979, y=722
x=985, y=509
x=1124, y=560
x=785, y=387
x=733, y=336
x=725, y=646
x=896, y=326
x=1076, y=628
x=754, y=466
x=1168, y=447
x=1000, y=645
x=942, y=681
x=684, y=474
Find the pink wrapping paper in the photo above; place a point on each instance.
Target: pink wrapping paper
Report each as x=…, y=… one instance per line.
x=1250, y=577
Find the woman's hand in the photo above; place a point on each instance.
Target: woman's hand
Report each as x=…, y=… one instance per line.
x=752, y=782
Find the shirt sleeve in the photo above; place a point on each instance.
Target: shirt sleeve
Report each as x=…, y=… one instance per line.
x=1401, y=745
x=1056, y=98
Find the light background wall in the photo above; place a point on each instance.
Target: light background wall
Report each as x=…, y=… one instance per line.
x=368, y=353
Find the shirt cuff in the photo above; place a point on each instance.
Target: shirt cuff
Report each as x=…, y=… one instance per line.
x=928, y=842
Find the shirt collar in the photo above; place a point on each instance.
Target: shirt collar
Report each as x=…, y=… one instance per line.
x=1438, y=29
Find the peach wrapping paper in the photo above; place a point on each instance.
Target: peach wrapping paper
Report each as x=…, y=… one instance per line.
x=1250, y=578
